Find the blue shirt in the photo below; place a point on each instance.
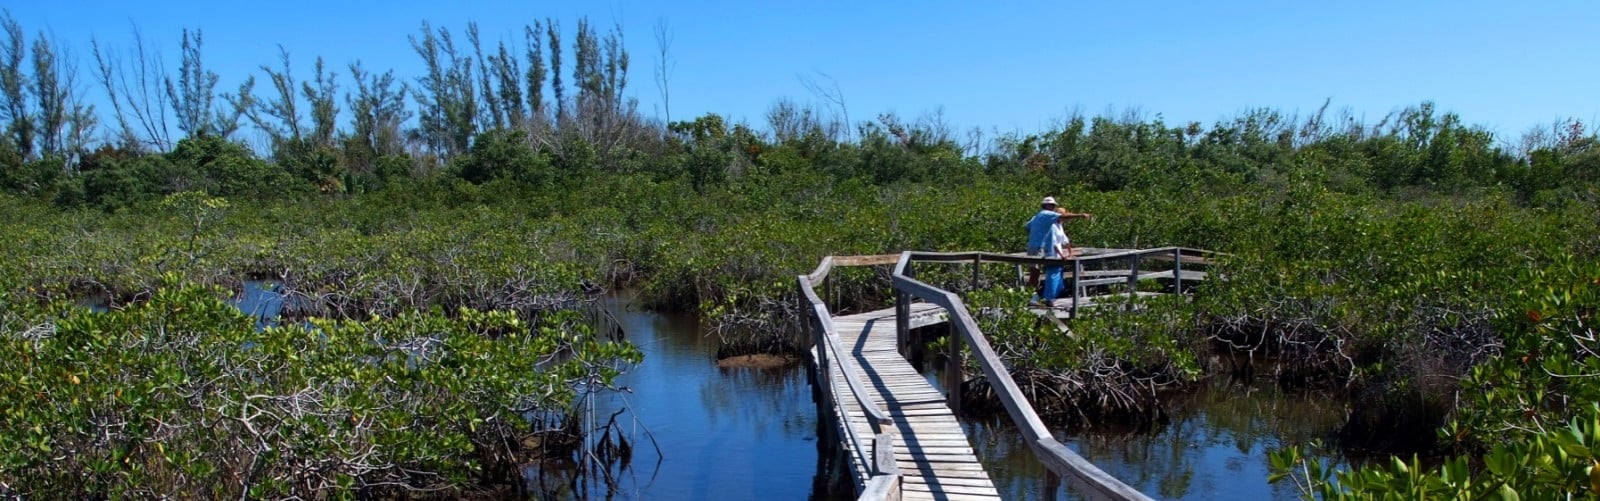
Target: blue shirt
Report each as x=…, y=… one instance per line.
x=1039, y=230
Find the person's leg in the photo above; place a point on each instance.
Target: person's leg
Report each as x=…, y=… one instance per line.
x=1052, y=283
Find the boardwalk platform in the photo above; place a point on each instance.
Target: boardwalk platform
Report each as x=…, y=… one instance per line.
x=936, y=460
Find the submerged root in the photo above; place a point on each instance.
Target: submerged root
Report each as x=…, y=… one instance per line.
x=1082, y=398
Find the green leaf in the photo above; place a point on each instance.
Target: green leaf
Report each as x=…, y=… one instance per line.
x=1575, y=450
x=1506, y=493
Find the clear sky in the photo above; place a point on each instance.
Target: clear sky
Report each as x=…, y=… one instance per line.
x=1006, y=66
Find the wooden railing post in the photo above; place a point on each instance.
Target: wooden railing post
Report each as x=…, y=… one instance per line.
x=830, y=293
x=903, y=323
x=977, y=262
x=825, y=384
x=1133, y=279
x=883, y=454
x=1177, y=270
x=1077, y=291
x=954, y=370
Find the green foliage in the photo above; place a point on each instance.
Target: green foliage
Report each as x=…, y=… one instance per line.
x=181, y=394
x=1557, y=464
x=1112, y=364
x=1525, y=424
x=505, y=154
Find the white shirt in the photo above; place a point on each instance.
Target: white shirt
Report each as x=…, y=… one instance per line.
x=1058, y=241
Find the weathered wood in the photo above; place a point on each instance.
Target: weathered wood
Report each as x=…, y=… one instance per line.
x=882, y=488
x=1188, y=275
x=832, y=359
x=927, y=455
x=911, y=493
x=1077, y=286
x=870, y=260
x=1177, y=271
x=1092, y=481
x=1044, y=445
x=956, y=478
x=928, y=439
x=954, y=375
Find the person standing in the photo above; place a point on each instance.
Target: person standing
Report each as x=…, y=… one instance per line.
x=1047, y=239
x=1039, y=234
x=1060, y=248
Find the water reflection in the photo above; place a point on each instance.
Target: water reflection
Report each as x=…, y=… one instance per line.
x=1215, y=446
x=262, y=299
x=704, y=432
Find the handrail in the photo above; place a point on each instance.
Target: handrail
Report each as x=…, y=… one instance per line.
x=995, y=257
x=1055, y=455
x=885, y=475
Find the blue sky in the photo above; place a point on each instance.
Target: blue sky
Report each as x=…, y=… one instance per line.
x=1000, y=66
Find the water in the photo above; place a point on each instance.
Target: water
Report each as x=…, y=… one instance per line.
x=751, y=434
x=262, y=299
x=736, y=433
x=1214, y=447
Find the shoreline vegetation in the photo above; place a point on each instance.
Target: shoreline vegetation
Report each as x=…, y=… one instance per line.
x=1443, y=277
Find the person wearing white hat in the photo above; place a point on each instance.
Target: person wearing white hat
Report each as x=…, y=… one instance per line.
x=1039, y=227
x=1039, y=236
x=1043, y=242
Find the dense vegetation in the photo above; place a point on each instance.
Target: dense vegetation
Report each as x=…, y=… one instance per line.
x=1444, y=276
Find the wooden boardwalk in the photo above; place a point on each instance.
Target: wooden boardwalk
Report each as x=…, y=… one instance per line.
x=936, y=460
x=896, y=432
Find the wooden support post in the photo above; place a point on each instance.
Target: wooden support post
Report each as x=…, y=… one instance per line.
x=825, y=406
x=1177, y=270
x=1133, y=274
x=1077, y=290
x=954, y=370
x=1052, y=483
x=883, y=454
x=1133, y=281
x=977, y=263
x=902, y=323
x=827, y=292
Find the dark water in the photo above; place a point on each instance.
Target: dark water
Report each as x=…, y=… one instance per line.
x=1214, y=447
x=262, y=299
x=739, y=433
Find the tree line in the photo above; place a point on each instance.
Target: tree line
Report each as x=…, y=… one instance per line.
x=521, y=111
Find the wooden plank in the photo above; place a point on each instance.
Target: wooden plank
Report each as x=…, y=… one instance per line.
x=935, y=453
x=1190, y=275
x=910, y=466
x=934, y=439
x=955, y=480
x=908, y=492
x=952, y=488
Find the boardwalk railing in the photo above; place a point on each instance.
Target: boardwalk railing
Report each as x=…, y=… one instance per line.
x=1079, y=277
x=1055, y=455
x=876, y=451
